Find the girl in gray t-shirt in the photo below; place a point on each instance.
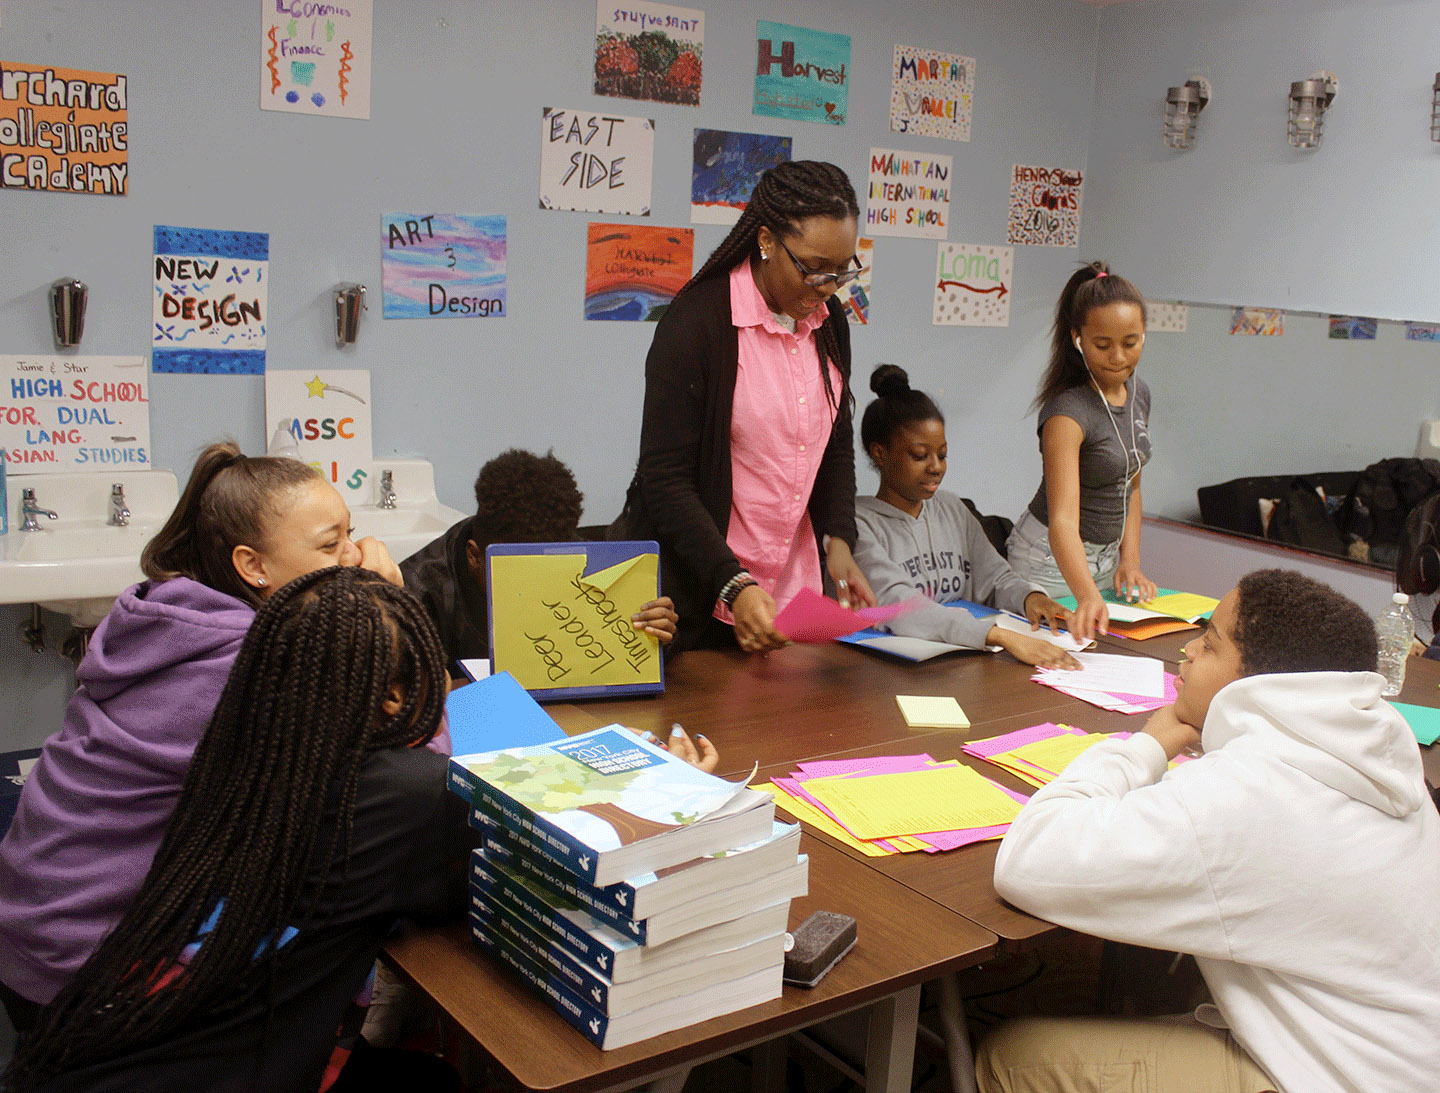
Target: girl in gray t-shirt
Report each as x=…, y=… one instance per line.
x=1081, y=532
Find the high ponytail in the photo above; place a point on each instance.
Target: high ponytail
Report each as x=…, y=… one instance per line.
x=226, y=503
x=1089, y=287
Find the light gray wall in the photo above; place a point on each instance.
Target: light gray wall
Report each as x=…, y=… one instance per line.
x=1349, y=227
x=457, y=92
x=1242, y=218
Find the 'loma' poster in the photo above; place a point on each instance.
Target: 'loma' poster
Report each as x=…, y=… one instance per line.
x=801, y=74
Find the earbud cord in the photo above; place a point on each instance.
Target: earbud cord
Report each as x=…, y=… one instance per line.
x=1129, y=405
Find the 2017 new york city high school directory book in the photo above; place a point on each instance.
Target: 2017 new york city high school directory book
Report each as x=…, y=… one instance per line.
x=609, y=805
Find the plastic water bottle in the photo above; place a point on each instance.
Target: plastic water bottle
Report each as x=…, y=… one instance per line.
x=1396, y=630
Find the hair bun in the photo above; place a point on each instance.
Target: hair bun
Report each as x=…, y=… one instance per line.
x=888, y=380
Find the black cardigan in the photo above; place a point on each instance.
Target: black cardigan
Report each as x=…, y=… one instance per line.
x=681, y=495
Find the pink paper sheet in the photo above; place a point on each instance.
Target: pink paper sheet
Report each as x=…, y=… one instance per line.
x=814, y=619
x=984, y=749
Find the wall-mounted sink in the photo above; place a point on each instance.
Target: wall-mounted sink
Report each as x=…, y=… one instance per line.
x=418, y=516
x=77, y=564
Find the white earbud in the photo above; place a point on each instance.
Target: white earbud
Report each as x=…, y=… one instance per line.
x=1077, y=345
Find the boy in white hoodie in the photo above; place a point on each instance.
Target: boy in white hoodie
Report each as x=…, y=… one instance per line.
x=1298, y=859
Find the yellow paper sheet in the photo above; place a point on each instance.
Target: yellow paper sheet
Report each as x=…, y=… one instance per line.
x=914, y=802
x=557, y=628
x=1182, y=605
x=807, y=813
x=1055, y=753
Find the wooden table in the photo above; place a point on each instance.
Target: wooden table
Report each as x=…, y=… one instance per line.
x=920, y=915
x=904, y=941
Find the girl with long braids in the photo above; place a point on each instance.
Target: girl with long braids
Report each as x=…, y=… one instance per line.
x=1082, y=528
x=97, y=801
x=747, y=470
x=308, y=821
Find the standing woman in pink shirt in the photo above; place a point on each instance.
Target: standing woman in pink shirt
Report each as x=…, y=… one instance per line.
x=747, y=466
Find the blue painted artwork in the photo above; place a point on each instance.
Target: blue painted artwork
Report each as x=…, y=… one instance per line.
x=443, y=265
x=725, y=170
x=211, y=305
x=801, y=74
x=1353, y=328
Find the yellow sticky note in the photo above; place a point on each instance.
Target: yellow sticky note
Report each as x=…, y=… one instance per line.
x=556, y=628
x=932, y=712
x=914, y=802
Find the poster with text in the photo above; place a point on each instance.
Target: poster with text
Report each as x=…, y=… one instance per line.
x=1265, y=322
x=856, y=295
x=801, y=74
x=973, y=284
x=74, y=413
x=633, y=271
x=210, y=305
x=328, y=414
x=1165, y=317
x=931, y=93
x=63, y=129
x=442, y=265
x=725, y=169
x=595, y=163
x=648, y=51
x=908, y=194
x=1044, y=207
x=315, y=58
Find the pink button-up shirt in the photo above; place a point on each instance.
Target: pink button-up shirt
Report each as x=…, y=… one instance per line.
x=779, y=427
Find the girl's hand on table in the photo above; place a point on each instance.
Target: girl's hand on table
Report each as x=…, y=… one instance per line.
x=1131, y=585
x=698, y=753
x=1041, y=609
x=1090, y=617
x=754, y=613
x=1028, y=650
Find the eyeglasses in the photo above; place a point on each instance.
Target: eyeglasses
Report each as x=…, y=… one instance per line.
x=815, y=279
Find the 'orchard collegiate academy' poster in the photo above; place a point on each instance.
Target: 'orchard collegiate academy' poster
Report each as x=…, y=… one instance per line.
x=63, y=129
x=801, y=74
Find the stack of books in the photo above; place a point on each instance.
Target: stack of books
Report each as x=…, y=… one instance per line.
x=634, y=892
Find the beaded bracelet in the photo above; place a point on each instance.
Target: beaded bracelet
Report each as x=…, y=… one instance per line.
x=734, y=586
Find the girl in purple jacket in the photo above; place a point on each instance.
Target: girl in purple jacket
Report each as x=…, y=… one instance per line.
x=95, y=805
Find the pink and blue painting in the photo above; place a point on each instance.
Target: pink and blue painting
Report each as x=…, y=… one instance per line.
x=726, y=167
x=443, y=266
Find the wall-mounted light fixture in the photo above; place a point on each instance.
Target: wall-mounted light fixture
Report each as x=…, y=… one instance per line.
x=349, y=302
x=67, y=309
x=1435, y=110
x=1182, y=106
x=1309, y=99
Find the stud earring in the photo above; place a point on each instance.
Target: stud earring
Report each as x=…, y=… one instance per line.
x=260, y=583
x=764, y=256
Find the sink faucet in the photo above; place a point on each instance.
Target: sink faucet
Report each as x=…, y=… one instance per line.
x=119, y=511
x=30, y=509
x=388, y=500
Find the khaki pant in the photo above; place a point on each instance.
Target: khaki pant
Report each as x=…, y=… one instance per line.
x=1114, y=1055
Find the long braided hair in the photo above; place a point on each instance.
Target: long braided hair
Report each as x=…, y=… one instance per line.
x=303, y=706
x=785, y=195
